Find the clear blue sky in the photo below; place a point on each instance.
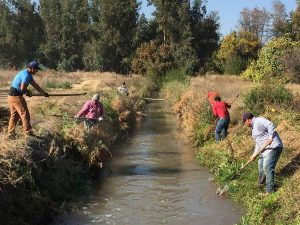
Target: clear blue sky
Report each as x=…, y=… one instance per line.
x=229, y=10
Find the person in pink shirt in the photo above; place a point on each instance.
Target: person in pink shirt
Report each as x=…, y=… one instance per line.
x=220, y=111
x=92, y=111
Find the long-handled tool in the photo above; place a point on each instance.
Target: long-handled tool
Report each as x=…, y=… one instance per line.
x=249, y=161
x=57, y=94
x=234, y=99
x=72, y=117
x=109, y=85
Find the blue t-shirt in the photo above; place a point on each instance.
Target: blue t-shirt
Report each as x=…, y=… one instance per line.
x=22, y=77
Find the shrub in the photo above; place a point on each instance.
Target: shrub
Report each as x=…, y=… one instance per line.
x=268, y=64
x=235, y=65
x=262, y=96
x=291, y=61
x=176, y=75
x=241, y=46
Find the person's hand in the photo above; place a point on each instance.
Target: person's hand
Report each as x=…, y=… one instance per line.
x=29, y=93
x=270, y=141
x=252, y=158
x=100, y=118
x=46, y=94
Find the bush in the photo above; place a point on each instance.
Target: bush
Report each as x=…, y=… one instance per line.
x=292, y=64
x=269, y=64
x=235, y=65
x=176, y=75
x=259, y=98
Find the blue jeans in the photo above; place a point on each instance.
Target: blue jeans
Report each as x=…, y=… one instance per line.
x=221, y=128
x=266, y=168
x=88, y=124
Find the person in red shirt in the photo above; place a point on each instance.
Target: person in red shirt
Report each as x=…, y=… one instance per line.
x=220, y=111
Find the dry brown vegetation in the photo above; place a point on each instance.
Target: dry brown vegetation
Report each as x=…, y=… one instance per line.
x=57, y=164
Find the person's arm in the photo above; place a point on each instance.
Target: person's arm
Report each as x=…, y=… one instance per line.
x=23, y=88
x=83, y=110
x=36, y=86
x=227, y=105
x=260, y=149
x=215, y=110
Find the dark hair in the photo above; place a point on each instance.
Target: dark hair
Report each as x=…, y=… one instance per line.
x=217, y=98
x=247, y=115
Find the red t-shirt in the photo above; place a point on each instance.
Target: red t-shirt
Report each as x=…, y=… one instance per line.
x=220, y=109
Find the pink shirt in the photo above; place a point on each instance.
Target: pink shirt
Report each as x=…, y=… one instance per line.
x=91, y=109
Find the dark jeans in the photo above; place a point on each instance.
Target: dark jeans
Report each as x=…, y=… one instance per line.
x=221, y=128
x=266, y=168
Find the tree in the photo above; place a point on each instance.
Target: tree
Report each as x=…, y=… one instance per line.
x=117, y=24
x=279, y=19
x=296, y=21
x=167, y=17
x=256, y=21
x=241, y=46
x=145, y=30
x=67, y=26
x=21, y=32
x=205, y=32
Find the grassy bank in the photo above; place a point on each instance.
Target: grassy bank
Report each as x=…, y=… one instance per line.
x=41, y=175
x=225, y=158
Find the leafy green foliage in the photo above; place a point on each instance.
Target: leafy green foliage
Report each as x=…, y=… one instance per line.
x=235, y=65
x=291, y=61
x=152, y=59
x=268, y=64
x=66, y=27
x=21, y=33
x=236, y=49
x=259, y=98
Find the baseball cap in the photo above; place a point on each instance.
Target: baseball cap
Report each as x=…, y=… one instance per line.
x=34, y=65
x=247, y=115
x=96, y=97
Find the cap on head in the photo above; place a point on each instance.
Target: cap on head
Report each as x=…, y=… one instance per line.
x=34, y=65
x=96, y=97
x=247, y=115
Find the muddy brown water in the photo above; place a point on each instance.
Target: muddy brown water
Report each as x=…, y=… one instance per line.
x=155, y=179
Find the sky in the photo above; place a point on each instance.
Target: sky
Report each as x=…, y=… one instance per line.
x=229, y=10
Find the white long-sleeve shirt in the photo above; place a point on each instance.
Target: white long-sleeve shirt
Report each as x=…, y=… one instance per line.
x=263, y=130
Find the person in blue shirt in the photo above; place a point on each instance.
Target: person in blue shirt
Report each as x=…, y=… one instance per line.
x=16, y=101
x=263, y=132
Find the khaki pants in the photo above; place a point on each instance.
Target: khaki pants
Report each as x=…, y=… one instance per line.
x=18, y=109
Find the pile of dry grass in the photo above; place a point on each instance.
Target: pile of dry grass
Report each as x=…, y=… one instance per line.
x=187, y=109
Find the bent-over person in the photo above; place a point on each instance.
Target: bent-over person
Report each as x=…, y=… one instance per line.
x=92, y=111
x=263, y=132
x=222, y=114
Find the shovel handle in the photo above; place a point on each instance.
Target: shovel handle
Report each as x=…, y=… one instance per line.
x=75, y=94
x=249, y=161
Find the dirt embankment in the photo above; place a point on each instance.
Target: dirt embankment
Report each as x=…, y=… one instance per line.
x=38, y=175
